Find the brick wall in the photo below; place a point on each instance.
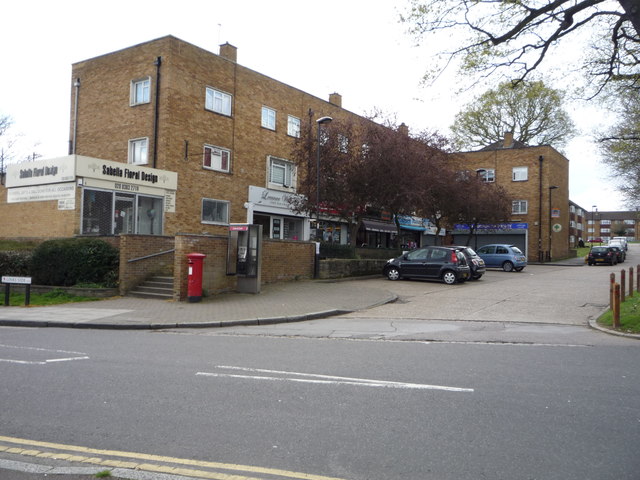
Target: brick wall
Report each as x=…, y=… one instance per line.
x=281, y=261
x=138, y=260
x=287, y=260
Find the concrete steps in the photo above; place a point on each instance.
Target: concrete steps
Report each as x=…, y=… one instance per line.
x=155, y=287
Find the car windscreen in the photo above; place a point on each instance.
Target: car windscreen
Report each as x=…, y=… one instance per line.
x=599, y=249
x=516, y=249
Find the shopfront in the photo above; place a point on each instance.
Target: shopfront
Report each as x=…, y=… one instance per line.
x=114, y=198
x=272, y=209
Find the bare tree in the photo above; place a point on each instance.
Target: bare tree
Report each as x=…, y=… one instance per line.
x=518, y=36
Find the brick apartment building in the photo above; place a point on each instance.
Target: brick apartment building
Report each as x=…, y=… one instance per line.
x=602, y=226
x=537, y=179
x=577, y=224
x=166, y=137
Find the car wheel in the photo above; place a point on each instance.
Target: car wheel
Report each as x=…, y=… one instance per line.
x=518, y=269
x=393, y=273
x=507, y=267
x=476, y=277
x=591, y=264
x=449, y=277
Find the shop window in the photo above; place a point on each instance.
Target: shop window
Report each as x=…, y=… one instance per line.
x=215, y=211
x=140, y=91
x=111, y=213
x=520, y=174
x=138, y=151
x=269, y=118
x=149, y=215
x=519, y=207
x=293, y=127
x=282, y=173
x=218, y=101
x=97, y=207
x=216, y=158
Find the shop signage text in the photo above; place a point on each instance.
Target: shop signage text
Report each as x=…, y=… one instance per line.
x=129, y=174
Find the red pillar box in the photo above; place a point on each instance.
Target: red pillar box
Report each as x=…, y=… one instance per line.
x=194, y=285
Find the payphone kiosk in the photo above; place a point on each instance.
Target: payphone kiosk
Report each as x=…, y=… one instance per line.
x=244, y=256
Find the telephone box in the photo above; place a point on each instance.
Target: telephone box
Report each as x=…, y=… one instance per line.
x=194, y=283
x=244, y=256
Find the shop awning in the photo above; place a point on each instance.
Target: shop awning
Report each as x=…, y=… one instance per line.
x=375, y=226
x=417, y=228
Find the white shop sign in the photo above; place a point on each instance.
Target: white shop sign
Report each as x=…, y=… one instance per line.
x=40, y=193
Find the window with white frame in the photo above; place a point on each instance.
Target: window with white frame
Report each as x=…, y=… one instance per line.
x=519, y=207
x=269, y=118
x=215, y=211
x=520, y=174
x=282, y=173
x=293, y=126
x=487, y=174
x=218, y=101
x=140, y=91
x=605, y=230
x=216, y=158
x=343, y=143
x=630, y=222
x=138, y=148
x=605, y=222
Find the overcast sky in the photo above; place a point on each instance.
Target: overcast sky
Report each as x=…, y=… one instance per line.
x=354, y=47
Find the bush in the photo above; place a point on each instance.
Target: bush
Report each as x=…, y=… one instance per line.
x=71, y=261
x=15, y=263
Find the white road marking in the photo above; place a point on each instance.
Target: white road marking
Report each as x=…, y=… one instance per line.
x=81, y=356
x=327, y=379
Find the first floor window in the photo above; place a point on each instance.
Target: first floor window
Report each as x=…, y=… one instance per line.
x=138, y=151
x=269, y=118
x=520, y=174
x=281, y=173
x=215, y=211
x=140, y=91
x=487, y=174
x=216, y=158
x=218, y=101
x=519, y=207
x=293, y=127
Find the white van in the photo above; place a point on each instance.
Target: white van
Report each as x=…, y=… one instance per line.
x=622, y=240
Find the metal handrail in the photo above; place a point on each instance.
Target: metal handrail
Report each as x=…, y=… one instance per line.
x=131, y=260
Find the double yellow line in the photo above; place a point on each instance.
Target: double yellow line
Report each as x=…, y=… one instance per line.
x=142, y=461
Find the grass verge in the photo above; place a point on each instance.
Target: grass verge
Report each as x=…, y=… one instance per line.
x=629, y=316
x=54, y=297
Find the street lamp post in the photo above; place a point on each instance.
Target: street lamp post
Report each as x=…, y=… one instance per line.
x=551, y=188
x=479, y=173
x=593, y=224
x=321, y=121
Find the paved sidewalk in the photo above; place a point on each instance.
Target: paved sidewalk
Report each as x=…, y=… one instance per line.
x=277, y=303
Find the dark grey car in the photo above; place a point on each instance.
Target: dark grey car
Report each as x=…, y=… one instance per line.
x=439, y=263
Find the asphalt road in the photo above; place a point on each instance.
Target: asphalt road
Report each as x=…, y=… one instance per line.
x=496, y=379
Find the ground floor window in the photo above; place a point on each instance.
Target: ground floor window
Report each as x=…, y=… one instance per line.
x=280, y=227
x=334, y=232
x=110, y=213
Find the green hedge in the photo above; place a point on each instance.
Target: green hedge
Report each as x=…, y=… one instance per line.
x=15, y=263
x=74, y=261
x=335, y=250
